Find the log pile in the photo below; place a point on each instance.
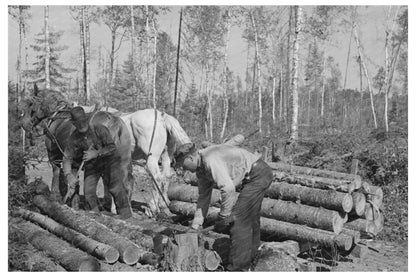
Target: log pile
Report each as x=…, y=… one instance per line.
x=306, y=205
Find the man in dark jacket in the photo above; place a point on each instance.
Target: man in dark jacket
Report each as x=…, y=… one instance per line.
x=228, y=168
x=102, y=141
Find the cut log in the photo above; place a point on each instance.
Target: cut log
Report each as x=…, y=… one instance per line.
x=281, y=229
x=129, y=252
x=275, y=260
x=328, y=199
x=358, y=199
x=95, y=248
x=319, y=218
x=356, y=236
x=124, y=228
x=182, y=253
x=277, y=209
x=66, y=255
x=360, y=251
x=116, y=267
x=347, y=186
x=212, y=260
x=375, y=196
x=279, y=166
x=367, y=228
x=374, y=214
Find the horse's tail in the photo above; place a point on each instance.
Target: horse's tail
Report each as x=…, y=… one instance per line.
x=176, y=134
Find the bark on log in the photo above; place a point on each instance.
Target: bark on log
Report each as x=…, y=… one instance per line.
x=279, y=166
x=317, y=182
x=66, y=255
x=319, y=218
x=95, y=248
x=129, y=252
x=277, y=209
x=358, y=199
x=274, y=227
x=124, y=228
x=367, y=228
x=328, y=199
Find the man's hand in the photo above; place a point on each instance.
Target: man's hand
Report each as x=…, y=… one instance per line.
x=90, y=154
x=72, y=181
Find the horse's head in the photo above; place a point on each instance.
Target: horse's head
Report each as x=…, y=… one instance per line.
x=32, y=111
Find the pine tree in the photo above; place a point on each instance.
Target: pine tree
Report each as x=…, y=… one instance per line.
x=58, y=72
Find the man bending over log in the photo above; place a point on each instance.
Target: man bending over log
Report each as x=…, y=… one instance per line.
x=102, y=141
x=230, y=168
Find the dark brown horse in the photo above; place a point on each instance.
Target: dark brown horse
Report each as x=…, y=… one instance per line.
x=48, y=111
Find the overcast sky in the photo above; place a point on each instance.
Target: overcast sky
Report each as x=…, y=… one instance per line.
x=372, y=36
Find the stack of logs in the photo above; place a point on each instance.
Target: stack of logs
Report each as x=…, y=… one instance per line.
x=79, y=240
x=303, y=204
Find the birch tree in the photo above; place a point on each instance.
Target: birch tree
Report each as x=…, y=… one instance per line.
x=47, y=49
x=294, y=81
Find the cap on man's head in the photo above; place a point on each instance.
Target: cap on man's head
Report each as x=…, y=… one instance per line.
x=184, y=150
x=78, y=114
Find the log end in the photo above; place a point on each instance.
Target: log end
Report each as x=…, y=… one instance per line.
x=347, y=203
x=359, y=203
x=338, y=222
x=89, y=264
x=111, y=255
x=130, y=255
x=344, y=242
x=212, y=260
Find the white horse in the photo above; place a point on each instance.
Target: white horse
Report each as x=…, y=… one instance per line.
x=155, y=136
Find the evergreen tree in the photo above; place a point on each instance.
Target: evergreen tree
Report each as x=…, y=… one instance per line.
x=58, y=72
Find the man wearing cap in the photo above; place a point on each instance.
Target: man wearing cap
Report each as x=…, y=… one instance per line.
x=102, y=141
x=230, y=168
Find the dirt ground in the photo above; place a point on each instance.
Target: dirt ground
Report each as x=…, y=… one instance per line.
x=382, y=256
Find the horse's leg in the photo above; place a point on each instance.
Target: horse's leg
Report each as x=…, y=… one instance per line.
x=153, y=168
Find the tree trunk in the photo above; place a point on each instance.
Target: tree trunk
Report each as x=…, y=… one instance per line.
x=147, y=55
x=66, y=255
x=95, y=248
x=281, y=97
x=323, y=92
x=47, y=50
x=370, y=88
x=177, y=64
x=348, y=57
x=155, y=65
x=293, y=169
x=129, y=252
x=133, y=53
x=294, y=82
x=256, y=44
x=288, y=70
x=112, y=56
x=87, y=56
x=274, y=101
x=225, y=79
x=280, y=229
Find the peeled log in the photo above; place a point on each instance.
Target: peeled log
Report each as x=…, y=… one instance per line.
x=356, y=236
x=358, y=199
x=317, y=182
x=116, y=267
x=367, y=228
x=66, y=255
x=95, y=248
x=279, y=166
x=277, y=209
x=277, y=228
x=328, y=199
x=129, y=252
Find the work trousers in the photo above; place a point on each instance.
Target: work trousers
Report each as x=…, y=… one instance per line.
x=245, y=231
x=110, y=169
